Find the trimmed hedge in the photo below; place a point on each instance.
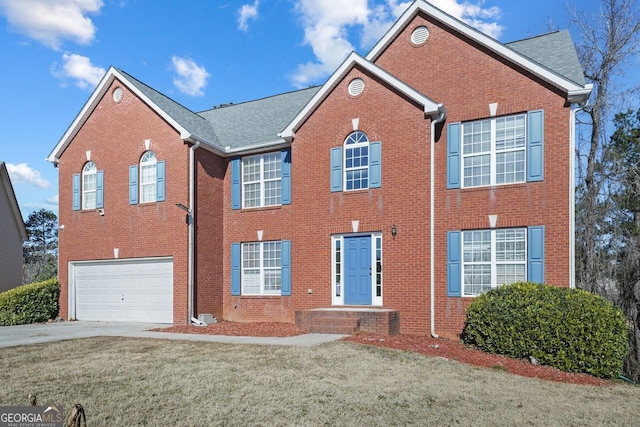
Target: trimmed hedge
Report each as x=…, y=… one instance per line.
x=569, y=329
x=32, y=303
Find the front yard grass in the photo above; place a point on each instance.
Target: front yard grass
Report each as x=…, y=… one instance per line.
x=149, y=382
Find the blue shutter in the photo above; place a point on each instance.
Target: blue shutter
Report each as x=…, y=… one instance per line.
x=454, y=264
x=535, y=243
x=235, y=269
x=535, y=145
x=453, y=155
x=235, y=184
x=133, y=185
x=286, y=177
x=76, y=191
x=100, y=189
x=375, y=165
x=286, y=267
x=336, y=169
x=160, y=181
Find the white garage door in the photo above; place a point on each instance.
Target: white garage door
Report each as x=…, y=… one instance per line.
x=128, y=290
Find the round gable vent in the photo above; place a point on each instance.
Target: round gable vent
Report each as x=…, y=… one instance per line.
x=356, y=86
x=118, y=93
x=420, y=35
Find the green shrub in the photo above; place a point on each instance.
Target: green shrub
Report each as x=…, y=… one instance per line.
x=570, y=329
x=35, y=302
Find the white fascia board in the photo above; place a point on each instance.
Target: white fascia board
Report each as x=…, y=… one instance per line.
x=256, y=148
x=90, y=105
x=490, y=43
x=430, y=107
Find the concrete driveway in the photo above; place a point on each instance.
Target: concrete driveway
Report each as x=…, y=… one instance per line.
x=11, y=336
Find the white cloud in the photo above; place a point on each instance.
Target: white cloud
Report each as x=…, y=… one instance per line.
x=23, y=174
x=246, y=13
x=80, y=69
x=53, y=200
x=327, y=25
x=52, y=21
x=191, y=78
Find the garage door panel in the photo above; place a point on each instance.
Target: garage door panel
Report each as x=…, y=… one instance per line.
x=125, y=290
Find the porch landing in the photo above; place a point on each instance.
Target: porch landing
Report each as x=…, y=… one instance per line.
x=348, y=320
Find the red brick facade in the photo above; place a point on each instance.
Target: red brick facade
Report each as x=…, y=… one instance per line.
x=452, y=69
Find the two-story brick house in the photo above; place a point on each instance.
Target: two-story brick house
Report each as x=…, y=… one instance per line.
x=435, y=168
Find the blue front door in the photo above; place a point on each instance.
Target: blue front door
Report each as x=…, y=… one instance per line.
x=357, y=287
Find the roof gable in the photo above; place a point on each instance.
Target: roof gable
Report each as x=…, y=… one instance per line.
x=576, y=91
x=188, y=124
x=430, y=107
x=15, y=209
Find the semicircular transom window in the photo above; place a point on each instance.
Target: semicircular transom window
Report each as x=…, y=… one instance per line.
x=420, y=35
x=356, y=87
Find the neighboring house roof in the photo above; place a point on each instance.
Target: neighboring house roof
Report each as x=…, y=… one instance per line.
x=554, y=51
x=430, y=107
x=256, y=123
x=545, y=68
x=17, y=216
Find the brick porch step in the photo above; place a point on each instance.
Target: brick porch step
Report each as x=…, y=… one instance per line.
x=348, y=320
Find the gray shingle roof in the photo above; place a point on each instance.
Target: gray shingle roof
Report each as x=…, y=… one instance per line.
x=194, y=123
x=256, y=122
x=554, y=51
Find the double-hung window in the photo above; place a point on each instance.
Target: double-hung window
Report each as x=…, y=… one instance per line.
x=357, y=165
x=356, y=161
x=148, y=177
x=262, y=180
x=147, y=180
x=88, y=188
x=493, y=151
x=496, y=151
x=261, y=268
x=492, y=258
x=479, y=260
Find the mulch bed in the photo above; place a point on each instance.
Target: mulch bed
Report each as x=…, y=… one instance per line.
x=420, y=344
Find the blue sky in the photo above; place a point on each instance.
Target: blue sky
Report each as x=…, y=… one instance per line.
x=201, y=53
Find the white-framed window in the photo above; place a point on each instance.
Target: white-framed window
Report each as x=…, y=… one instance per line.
x=494, y=151
x=261, y=268
x=356, y=161
x=262, y=180
x=148, y=177
x=89, y=185
x=491, y=258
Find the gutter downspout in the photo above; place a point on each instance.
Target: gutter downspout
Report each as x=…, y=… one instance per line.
x=572, y=193
x=191, y=257
x=432, y=220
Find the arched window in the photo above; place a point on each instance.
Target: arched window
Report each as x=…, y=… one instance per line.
x=89, y=185
x=148, y=177
x=356, y=161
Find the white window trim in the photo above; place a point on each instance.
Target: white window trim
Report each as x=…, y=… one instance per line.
x=344, y=160
x=262, y=181
x=493, y=152
x=85, y=173
x=336, y=300
x=494, y=263
x=153, y=184
x=262, y=269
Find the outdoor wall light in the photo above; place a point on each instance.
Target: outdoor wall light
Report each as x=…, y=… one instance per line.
x=187, y=210
x=394, y=231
